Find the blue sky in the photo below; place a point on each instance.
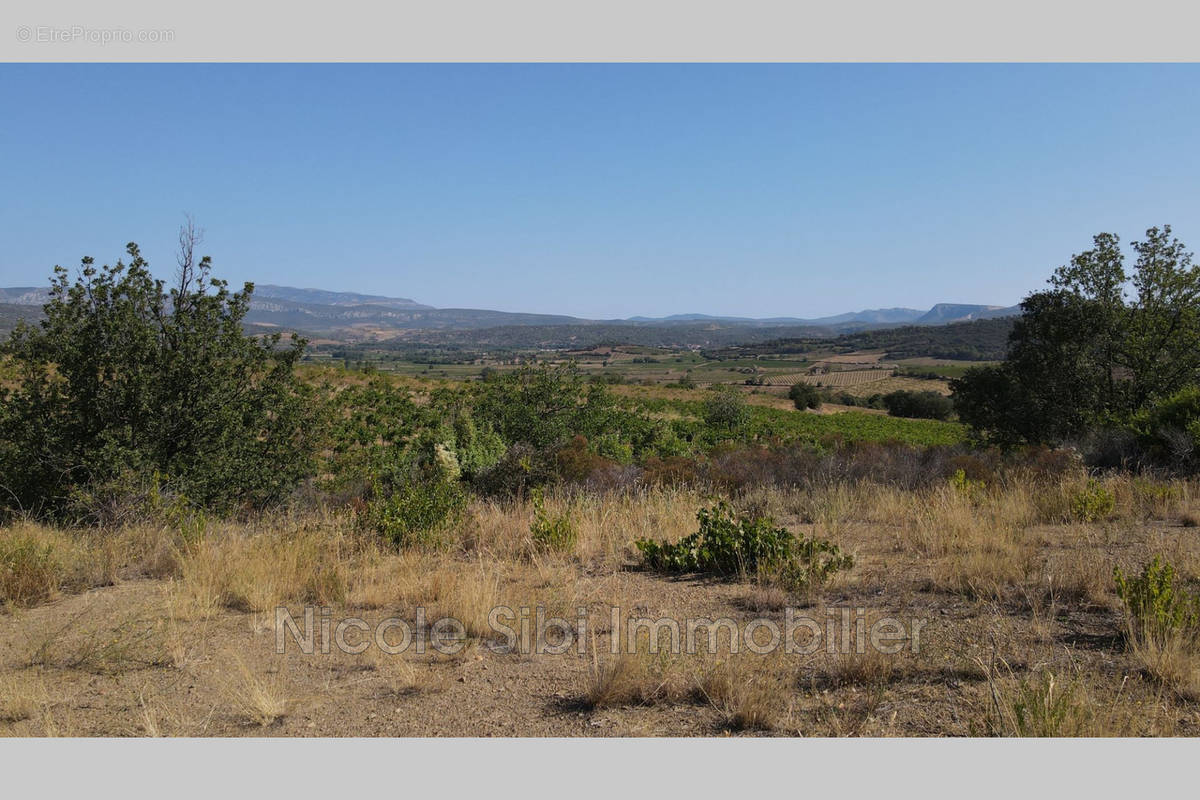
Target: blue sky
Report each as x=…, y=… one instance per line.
x=601, y=190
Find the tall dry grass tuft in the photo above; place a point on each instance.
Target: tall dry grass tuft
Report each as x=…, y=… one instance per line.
x=258, y=570
x=1080, y=577
x=36, y=562
x=22, y=696
x=1043, y=704
x=261, y=700
x=466, y=592
x=637, y=677
x=748, y=691
x=606, y=525
x=870, y=668
x=949, y=522
x=1172, y=660
x=987, y=571
x=390, y=580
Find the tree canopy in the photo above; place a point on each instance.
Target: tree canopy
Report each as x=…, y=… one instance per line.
x=125, y=379
x=1096, y=348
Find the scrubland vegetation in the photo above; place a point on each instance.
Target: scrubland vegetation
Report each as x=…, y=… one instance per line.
x=168, y=483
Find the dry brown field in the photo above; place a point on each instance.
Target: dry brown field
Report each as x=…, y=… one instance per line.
x=156, y=630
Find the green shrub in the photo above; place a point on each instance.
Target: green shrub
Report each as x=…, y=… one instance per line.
x=971, y=489
x=417, y=514
x=1041, y=705
x=123, y=375
x=551, y=532
x=728, y=543
x=725, y=412
x=918, y=405
x=1158, y=609
x=1092, y=503
x=804, y=396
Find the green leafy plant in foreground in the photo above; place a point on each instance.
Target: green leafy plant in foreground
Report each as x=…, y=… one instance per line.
x=418, y=513
x=729, y=543
x=968, y=487
x=1158, y=609
x=1092, y=503
x=548, y=531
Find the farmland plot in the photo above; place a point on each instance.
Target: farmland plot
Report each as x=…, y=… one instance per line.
x=837, y=380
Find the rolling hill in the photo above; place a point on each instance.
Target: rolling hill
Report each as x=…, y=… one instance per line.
x=352, y=316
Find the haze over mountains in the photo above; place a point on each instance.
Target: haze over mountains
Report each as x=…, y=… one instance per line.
x=333, y=312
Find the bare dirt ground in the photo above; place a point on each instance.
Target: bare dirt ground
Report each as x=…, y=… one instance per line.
x=1023, y=620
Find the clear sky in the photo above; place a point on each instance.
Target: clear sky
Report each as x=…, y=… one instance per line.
x=602, y=190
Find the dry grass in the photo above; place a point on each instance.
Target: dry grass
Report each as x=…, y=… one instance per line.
x=1172, y=659
x=398, y=675
x=261, y=571
x=767, y=597
x=390, y=580
x=606, y=525
x=1008, y=554
x=91, y=641
x=22, y=696
x=1080, y=577
x=636, y=677
x=1040, y=705
x=748, y=692
x=260, y=700
x=35, y=563
x=868, y=668
x=465, y=592
x=987, y=572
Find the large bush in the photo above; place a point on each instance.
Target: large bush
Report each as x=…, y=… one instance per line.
x=804, y=395
x=124, y=379
x=918, y=405
x=726, y=413
x=1088, y=353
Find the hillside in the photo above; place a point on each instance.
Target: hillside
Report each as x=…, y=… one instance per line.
x=353, y=317
x=981, y=340
x=944, y=313
x=12, y=313
x=328, y=298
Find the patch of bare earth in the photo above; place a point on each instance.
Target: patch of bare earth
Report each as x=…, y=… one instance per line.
x=1016, y=610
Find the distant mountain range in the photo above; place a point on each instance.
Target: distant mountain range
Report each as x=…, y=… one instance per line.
x=322, y=297
x=25, y=295
x=941, y=314
x=319, y=311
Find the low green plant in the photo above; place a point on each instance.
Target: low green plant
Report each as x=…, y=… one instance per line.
x=551, y=532
x=1039, y=706
x=967, y=487
x=1093, y=502
x=418, y=513
x=1158, y=609
x=730, y=543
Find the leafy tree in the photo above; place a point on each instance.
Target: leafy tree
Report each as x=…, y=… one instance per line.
x=918, y=405
x=1162, y=334
x=726, y=412
x=124, y=379
x=1084, y=354
x=804, y=396
x=544, y=406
